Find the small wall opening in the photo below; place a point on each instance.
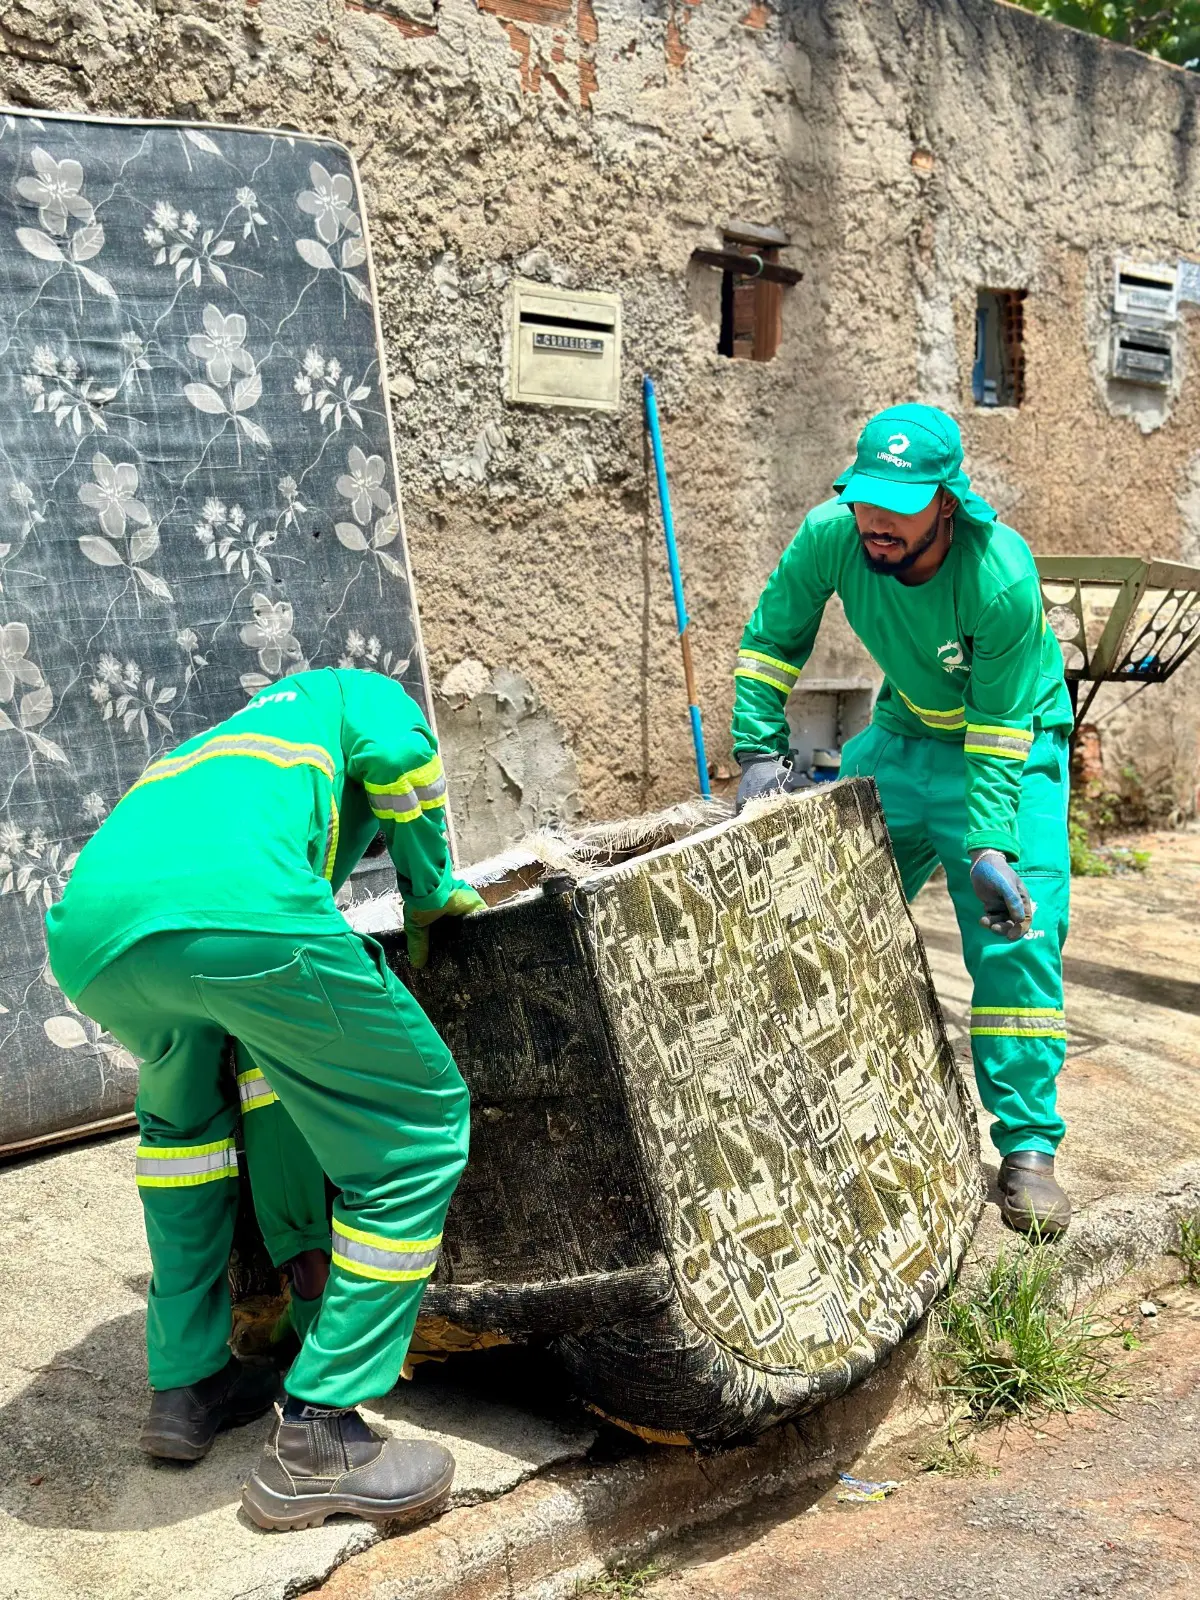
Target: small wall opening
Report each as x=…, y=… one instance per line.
x=998, y=377
x=751, y=308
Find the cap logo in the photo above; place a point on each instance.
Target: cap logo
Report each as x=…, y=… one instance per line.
x=894, y=454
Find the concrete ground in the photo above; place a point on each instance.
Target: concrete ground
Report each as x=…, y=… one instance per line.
x=84, y=1516
x=1093, y=1505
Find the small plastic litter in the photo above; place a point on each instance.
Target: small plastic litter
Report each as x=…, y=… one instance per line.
x=861, y=1491
x=1148, y=1308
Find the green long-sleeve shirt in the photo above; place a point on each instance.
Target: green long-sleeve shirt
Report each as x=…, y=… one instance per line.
x=966, y=656
x=256, y=823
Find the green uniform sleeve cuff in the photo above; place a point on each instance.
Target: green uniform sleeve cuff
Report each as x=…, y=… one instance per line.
x=436, y=898
x=994, y=839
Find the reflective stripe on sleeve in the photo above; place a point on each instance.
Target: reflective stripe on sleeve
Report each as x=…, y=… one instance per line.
x=254, y=1091
x=421, y=789
x=331, y=837
x=185, y=1166
x=766, y=669
x=370, y=1255
x=1013, y=744
x=1018, y=1022
x=950, y=720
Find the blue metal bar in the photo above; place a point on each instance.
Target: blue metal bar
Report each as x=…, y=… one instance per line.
x=681, y=616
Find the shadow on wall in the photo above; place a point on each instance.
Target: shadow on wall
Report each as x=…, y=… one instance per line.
x=508, y=764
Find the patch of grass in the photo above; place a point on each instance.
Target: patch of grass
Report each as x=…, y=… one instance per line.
x=1189, y=1247
x=1003, y=1349
x=622, y=1581
x=954, y=1455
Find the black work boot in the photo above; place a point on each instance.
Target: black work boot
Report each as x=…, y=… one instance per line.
x=1030, y=1198
x=318, y=1463
x=183, y=1423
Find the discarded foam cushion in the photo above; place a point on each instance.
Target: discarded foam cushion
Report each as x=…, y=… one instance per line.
x=721, y=1155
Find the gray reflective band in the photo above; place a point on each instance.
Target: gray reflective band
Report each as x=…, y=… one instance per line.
x=169, y=1167
x=1016, y=1022
x=382, y=1262
x=764, y=669
x=426, y=792
x=1015, y=744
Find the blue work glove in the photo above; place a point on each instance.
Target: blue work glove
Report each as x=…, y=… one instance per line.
x=462, y=900
x=769, y=774
x=1007, y=908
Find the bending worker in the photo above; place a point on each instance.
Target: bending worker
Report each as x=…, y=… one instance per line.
x=203, y=910
x=968, y=746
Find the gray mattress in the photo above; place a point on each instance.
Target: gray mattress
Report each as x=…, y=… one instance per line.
x=199, y=496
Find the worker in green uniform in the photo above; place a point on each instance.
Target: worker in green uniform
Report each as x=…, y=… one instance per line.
x=968, y=746
x=201, y=911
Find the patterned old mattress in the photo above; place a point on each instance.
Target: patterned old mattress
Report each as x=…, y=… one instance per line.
x=199, y=496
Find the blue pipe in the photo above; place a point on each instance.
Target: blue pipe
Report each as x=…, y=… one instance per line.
x=681, y=616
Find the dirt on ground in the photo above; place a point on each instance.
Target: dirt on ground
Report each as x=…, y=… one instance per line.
x=1093, y=1505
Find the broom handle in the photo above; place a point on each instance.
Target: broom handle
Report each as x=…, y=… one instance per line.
x=681, y=616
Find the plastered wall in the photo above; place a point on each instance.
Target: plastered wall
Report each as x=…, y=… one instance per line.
x=912, y=151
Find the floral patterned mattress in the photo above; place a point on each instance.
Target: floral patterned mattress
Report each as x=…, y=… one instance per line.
x=198, y=496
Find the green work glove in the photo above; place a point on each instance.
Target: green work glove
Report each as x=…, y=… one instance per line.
x=463, y=900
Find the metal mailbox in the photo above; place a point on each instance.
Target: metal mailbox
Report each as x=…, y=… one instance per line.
x=565, y=348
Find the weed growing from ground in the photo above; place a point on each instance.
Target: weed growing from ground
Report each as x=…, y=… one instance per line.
x=622, y=1582
x=1003, y=1350
x=1189, y=1247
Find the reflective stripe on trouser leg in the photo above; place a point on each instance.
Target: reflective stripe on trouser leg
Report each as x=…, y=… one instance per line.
x=185, y=1166
x=286, y=1179
x=254, y=1091
x=371, y=1255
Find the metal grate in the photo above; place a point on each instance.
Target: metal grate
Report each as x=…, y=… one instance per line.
x=1120, y=619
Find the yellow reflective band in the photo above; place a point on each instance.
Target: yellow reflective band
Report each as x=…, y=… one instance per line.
x=947, y=720
x=185, y=1166
x=1010, y=744
x=406, y=797
x=253, y=746
x=770, y=661
x=331, y=837
x=254, y=1091
x=1018, y=1022
x=371, y=1255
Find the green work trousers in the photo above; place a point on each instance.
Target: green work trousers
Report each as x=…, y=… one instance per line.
x=333, y=1048
x=1018, y=1032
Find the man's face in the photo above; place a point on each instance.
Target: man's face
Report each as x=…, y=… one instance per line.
x=891, y=544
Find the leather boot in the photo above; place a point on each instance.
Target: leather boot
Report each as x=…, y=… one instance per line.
x=332, y=1462
x=183, y=1422
x=1030, y=1198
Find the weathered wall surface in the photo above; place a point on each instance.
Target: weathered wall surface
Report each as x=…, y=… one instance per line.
x=598, y=143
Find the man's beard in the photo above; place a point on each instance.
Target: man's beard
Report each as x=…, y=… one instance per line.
x=893, y=569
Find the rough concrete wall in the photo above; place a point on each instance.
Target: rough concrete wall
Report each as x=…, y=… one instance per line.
x=913, y=150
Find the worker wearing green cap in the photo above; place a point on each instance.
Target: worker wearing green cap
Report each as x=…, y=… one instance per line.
x=967, y=745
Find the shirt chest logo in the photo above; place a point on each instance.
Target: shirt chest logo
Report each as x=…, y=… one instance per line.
x=950, y=655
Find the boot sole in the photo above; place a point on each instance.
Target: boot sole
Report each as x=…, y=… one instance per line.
x=280, y=1513
x=179, y=1447
x=1024, y=1222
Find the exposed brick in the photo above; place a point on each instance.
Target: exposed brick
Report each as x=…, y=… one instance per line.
x=531, y=76
x=534, y=13
x=758, y=15
x=585, y=23
x=676, y=50
x=588, y=82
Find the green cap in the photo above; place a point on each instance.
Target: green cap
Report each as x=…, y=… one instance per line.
x=905, y=454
